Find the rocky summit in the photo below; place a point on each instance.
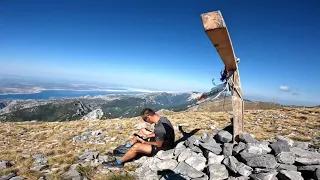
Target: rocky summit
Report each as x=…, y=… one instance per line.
x=249, y=159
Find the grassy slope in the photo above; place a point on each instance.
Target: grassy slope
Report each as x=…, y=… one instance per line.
x=226, y=105
x=55, y=138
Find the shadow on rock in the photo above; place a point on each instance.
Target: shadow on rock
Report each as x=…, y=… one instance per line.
x=169, y=174
x=185, y=135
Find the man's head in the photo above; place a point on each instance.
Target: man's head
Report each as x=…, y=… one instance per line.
x=149, y=116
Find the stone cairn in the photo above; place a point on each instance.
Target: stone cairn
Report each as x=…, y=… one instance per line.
x=209, y=157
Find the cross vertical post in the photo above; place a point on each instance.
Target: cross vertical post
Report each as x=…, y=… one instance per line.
x=216, y=29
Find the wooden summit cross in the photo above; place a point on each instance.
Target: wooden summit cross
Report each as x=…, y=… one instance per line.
x=217, y=31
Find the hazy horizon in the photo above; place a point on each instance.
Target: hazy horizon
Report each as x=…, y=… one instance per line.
x=252, y=97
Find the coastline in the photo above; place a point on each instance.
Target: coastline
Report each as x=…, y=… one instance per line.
x=62, y=94
x=57, y=89
x=39, y=90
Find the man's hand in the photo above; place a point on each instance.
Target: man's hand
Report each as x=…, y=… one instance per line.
x=134, y=140
x=140, y=140
x=145, y=136
x=144, y=133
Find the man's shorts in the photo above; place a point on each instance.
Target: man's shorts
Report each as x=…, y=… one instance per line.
x=155, y=149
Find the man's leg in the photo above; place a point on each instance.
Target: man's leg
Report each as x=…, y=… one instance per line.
x=135, y=149
x=132, y=142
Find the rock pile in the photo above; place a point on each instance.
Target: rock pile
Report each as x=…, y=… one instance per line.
x=91, y=157
x=93, y=115
x=216, y=158
x=91, y=137
x=11, y=176
x=4, y=165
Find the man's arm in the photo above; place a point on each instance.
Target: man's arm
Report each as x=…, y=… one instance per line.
x=159, y=136
x=155, y=143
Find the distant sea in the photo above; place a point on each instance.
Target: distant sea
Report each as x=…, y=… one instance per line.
x=49, y=94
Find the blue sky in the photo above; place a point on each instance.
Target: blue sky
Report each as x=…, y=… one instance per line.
x=162, y=45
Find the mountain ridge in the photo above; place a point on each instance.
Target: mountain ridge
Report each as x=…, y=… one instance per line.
x=112, y=105
x=116, y=106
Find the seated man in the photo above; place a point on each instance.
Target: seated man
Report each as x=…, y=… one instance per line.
x=163, y=134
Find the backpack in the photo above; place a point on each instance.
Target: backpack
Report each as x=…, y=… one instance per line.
x=120, y=150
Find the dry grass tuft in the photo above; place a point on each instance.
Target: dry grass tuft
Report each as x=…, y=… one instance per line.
x=62, y=159
x=120, y=176
x=87, y=171
x=8, y=170
x=28, y=174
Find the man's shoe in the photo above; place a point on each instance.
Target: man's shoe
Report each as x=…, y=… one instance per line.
x=112, y=164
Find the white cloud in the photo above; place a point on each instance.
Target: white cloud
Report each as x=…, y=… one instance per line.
x=284, y=88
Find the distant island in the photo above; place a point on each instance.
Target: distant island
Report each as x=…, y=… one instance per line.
x=25, y=86
x=13, y=85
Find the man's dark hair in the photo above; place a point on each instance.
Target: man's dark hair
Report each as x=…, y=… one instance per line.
x=147, y=112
